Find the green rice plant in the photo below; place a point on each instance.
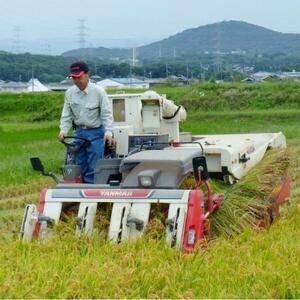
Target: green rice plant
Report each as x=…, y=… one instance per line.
x=19, y=144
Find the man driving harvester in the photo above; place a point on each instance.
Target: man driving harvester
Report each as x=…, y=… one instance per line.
x=88, y=108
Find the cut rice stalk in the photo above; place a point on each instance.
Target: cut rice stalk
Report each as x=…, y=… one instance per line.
x=248, y=201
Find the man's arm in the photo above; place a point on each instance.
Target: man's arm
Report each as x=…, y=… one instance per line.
x=65, y=119
x=106, y=117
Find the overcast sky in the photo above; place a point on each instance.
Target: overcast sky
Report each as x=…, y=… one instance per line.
x=144, y=19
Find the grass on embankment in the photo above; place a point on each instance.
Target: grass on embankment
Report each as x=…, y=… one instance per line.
x=240, y=97
x=259, y=121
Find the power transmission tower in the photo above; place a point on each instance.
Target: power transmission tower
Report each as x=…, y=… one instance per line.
x=82, y=33
x=82, y=38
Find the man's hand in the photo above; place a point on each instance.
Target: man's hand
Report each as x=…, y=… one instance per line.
x=110, y=140
x=61, y=136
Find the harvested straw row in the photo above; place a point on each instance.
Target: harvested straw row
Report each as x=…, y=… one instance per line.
x=247, y=201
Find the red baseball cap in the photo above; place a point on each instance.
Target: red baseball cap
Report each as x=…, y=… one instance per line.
x=77, y=69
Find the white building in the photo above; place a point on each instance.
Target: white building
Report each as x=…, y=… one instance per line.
x=132, y=83
x=262, y=77
x=110, y=84
x=292, y=75
x=124, y=83
x=34, y=85
x=13, y=86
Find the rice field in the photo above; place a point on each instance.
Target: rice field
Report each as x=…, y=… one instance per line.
x=255, y=263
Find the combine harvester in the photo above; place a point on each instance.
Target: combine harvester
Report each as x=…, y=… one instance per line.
x=151, y=161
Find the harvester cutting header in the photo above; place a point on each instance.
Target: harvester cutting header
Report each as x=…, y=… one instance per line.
x=147, y=170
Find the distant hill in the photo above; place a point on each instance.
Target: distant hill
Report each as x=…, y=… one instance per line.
x=224, y=37
x=232, y=36
x=101, y=53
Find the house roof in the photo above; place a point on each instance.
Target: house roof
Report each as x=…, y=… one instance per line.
x=14, y=85
x=109, y=83
x=127, y=81
x=34, y=85
x=292, y=74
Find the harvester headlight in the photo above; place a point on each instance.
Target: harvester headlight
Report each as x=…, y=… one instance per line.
x=191, y=237
x=148, y=178
x=146, y=181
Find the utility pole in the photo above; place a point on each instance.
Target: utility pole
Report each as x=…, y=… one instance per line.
x=218, y=52
x=131, y=75
x=32, y=76
x=133, y=57
x=95, y=66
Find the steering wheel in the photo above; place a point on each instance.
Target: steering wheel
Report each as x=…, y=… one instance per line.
x=70, y=144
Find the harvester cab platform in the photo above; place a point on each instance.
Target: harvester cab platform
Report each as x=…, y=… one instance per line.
x=152, y=159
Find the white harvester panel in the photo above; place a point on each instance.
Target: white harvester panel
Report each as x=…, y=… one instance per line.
x=146, y=113
x=118, y=218
x=30, y=218
x=127, y=110
x=175, y=224
x=237, y=153
x=128, y=221
x=151, y=118
x=86, y=218
x=121, y=134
